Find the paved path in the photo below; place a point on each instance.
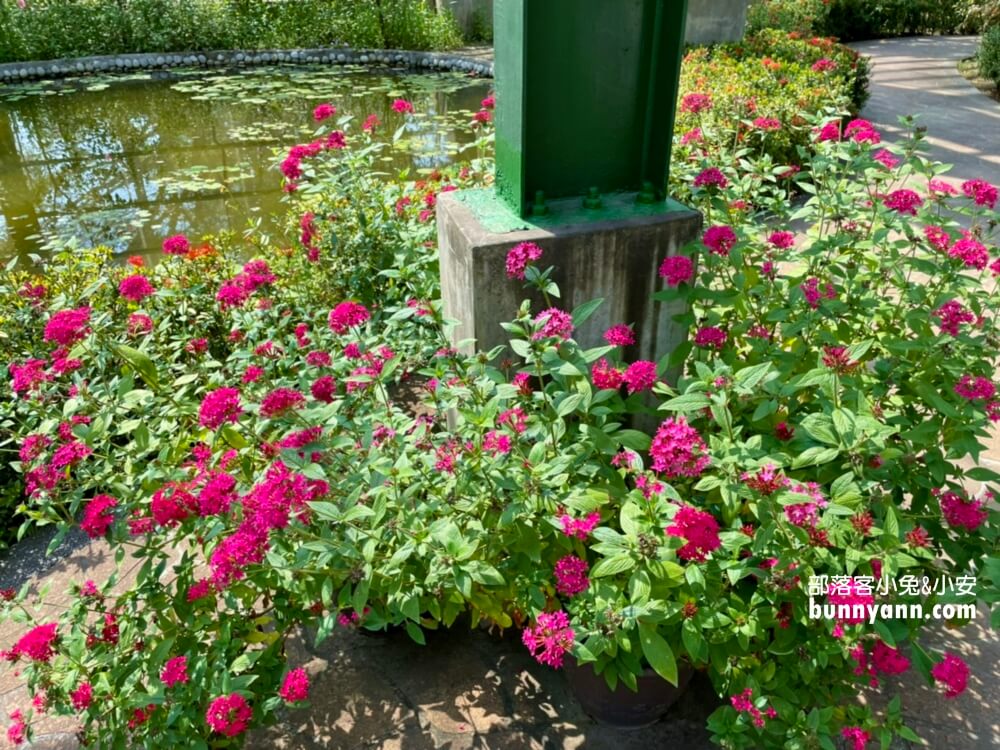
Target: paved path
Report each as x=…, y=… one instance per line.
x=919, y=76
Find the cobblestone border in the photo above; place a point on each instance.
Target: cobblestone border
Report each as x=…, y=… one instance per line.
x=25, y=71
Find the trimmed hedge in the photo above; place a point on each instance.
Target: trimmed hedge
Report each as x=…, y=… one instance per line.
x=850, y=20
x=50, y=29
x=989, y=55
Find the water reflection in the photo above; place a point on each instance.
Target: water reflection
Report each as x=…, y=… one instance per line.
x=126, y=161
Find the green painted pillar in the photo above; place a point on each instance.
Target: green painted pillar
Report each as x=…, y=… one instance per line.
x=586, y=93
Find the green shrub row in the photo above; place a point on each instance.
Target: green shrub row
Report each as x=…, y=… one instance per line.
x=989, y=55
x=850, y=20
x=49, y=29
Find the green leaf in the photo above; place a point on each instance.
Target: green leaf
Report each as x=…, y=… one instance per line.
x=569, y=404
x=657, y=652
x=687, y=402
x=634, y=440
x=141, y=362
x=414, y=631
x=750, y=377
x=610, y=566
x=582, y=313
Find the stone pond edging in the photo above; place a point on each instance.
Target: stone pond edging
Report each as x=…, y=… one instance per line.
x=144, y=61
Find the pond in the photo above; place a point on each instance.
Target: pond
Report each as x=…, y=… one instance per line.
x=126, y=160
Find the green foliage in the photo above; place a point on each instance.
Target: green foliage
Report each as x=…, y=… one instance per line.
x=850, y=20
x=48, y=29
x=979, y=15
x=989, y=55
x=768, y=75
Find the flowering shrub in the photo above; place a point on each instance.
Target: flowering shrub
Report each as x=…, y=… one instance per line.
x=289, y=455
x=753, y=93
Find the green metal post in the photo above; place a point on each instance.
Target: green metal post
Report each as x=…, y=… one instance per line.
x=586, y=93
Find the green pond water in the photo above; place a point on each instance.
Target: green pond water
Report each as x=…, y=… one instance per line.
x=126, y=160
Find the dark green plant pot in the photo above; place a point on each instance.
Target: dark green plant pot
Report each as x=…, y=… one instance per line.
x=622, y=708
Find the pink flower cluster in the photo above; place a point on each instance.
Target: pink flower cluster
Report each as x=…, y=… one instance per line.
x=135, y=288
x=696, y=103
x=743, y=703
x=975, y=387
x=279, y=401
x=970, y=251
x=904, y=201
x=237, y=290
x=178, y=244
x=219, y=407
x=981, y=192
x=856, y=736
x=640, y=376
x=710, y=337
x=66, y=327
x=952, y=674
x=571, y=575
x=963, y=512
x=550, y=638
x=678, y=450
x=520, y=257
x=952, y=315
x=620, y=335
x=555, y=323
x=699, y=529
x=229, y=715
x=37, y=644
x=579, y=528
x=677, y=269
x=850, y=593
x=719, y=239
x=813, y=294
x=806, y=514
x=174, y=672
x=347, y=315
x=97, y=516
x=295, y=686
x=711, y=177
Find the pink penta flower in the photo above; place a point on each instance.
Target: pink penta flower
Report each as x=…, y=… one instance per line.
x=279, y=401
x=695, y=103
x=857, y=736
x=555, y=323
x=138, y=323
x=951, y=315
x=579, y=528
x=903, y=201
x=176, y=245
x=402, y=107
x=975, y=388
x=678, y=450
x=620, y=335
x=66, y=327
x=496, y=443
x=229, y=715
x=719, y=239
x=710, y=337
x=324, y=389
x=951, y=674
x=700, y=531
x=886, y=159
x=520, y=257
x=82, y=697
x=829, y=132
x=963, y=512
x=767, y=124
x=37, y=644
x=862, y=131
x=219, y=407
x=606, y=376
x=347, y=315
x=324, y=111
x=677, y=270
x=971, y=252
x=174, y=672
x=711, y=177
x=692, y=136
x=98, y=516
x=981, y=192
x=295, y=686
x=851, y=600
x=823, y=65
x=571, y=575
x=889, y=660
x=550, y=638
x=135, y=288
x=781, y=240
x=940, y=188
x=640, y=376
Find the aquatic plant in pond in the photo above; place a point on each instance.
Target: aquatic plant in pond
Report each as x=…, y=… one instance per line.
x=123, y=159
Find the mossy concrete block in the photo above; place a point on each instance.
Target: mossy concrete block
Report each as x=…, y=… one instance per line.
x=612, y=253
x=710, y=21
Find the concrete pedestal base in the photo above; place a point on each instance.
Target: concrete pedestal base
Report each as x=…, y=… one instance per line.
x=613, y=252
